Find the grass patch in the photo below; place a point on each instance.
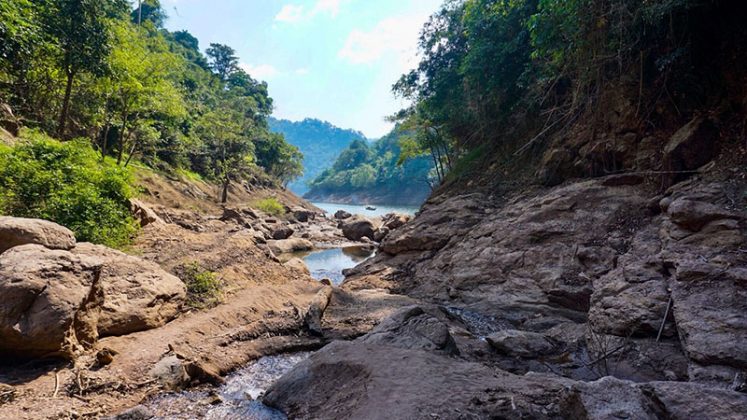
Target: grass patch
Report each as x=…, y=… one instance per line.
x=189, y=175
x=204, y=287
x=270, y=205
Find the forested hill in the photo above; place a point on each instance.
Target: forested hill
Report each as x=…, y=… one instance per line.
x=126, y=90
x=377, y=173
x=319, y=141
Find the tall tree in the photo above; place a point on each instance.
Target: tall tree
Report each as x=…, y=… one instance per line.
x=223, y=60
x=81, y=31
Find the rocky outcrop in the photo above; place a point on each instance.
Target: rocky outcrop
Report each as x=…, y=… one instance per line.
x=691, y=147
x=57, y=301
x=16, y=231
x=282, y=232
x=143, y=213
x=342, y=214
x=357, y=227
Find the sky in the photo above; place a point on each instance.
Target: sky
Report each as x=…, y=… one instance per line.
x=334, y=60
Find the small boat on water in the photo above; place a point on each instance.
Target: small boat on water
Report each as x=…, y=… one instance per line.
x=371, y=208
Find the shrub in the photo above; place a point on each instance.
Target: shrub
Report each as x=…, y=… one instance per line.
x=271, y=206
x=67, y=183
x=203, y=286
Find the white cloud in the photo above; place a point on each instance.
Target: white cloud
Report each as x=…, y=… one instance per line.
x=327, y=6
x=397, y=36
x=293, y=13
x=261, y=71
x=290, y=13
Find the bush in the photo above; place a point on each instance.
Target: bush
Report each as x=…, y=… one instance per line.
x=67, y=183
x=270, y=206
x=203, y=286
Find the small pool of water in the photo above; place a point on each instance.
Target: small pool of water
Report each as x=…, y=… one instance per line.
x=380, y=210
x=237, y=399
x=329, y=263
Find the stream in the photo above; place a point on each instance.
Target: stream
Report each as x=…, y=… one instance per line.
x=239, y=397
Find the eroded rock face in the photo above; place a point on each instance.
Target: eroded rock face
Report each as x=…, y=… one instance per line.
x=15, y=231
x=55, y=301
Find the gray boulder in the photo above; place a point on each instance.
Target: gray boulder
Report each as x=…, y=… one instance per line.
x=358, y=227
x=282, y=232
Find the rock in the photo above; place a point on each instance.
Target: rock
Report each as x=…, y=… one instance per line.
x=143, y=213
x=325, y=281
x=283, y=232
x=289, y=245
x=55, y=301
x=608, y=398
x=342, y=214
x=7, y=394
x=105, y=356
x=393, y=221
x=381, y=233
x=298, y=265
x=303, y=215
x=693, y=215
x=691, y=147
x=16, y=231
x=203, y=373
x=358, y=227
x=622, y=179
x=136, y=294
x=414, y=328
x=139, y=412
x=234, y=215
x=521, y=343
x=170, y=372
x=312, y=320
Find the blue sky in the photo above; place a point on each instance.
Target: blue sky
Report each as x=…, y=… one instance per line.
x=329, y=59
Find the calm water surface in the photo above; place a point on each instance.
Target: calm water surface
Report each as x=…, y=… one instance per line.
x=331, y=208
x=329, y=263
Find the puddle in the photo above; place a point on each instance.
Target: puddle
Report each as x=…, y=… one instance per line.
x=237, y=398
x=329, y=263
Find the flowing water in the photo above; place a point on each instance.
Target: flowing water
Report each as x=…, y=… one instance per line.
x=379, y=210
x=237, y=399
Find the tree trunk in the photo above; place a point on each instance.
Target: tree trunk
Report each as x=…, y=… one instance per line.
x=132, y=152
x=65, y=104
x=224, y=196
x=121, y=141
x=105, y=141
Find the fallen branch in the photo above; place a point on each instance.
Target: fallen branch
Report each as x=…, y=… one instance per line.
x=664, y=321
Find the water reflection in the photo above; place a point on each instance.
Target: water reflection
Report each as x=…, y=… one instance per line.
x=329, y=263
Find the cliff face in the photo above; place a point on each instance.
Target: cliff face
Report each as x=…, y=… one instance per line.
x=606, y=279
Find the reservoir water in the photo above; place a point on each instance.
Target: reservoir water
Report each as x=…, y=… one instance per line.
x=381, y=210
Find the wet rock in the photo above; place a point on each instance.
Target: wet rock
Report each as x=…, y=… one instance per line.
x=289, y=245
x=521, y=343
x=283, y=232
x=342, y=214
x=358, y=227
x=15, y=231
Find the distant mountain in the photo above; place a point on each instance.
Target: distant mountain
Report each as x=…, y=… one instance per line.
x=319, y=141
x=369, y=173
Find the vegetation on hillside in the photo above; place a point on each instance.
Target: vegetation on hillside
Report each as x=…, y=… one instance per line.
x=497, y=77
x=378, y=173
x=96, y=69
x=67, y=182
x=319, y=141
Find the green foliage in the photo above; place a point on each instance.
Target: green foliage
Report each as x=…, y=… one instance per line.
x=204, y=288
x=320, y=143
x=270, y=205
x=68, y=184
x=85, y=68
x=383, y=171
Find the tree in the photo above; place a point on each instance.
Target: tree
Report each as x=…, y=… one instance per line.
x=81, y=31
x=149, y=11
x=223, y=60
x=278, y=158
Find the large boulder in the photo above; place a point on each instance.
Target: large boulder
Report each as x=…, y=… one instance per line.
x=521, y=343
x=285, y=246
x=55, y=301
x=298, y=265
x=143, y=213
x=303, y=215
x=356, y=228
x=691, y=147
x=282, y=232
x=16, y=231
x=342, y=215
